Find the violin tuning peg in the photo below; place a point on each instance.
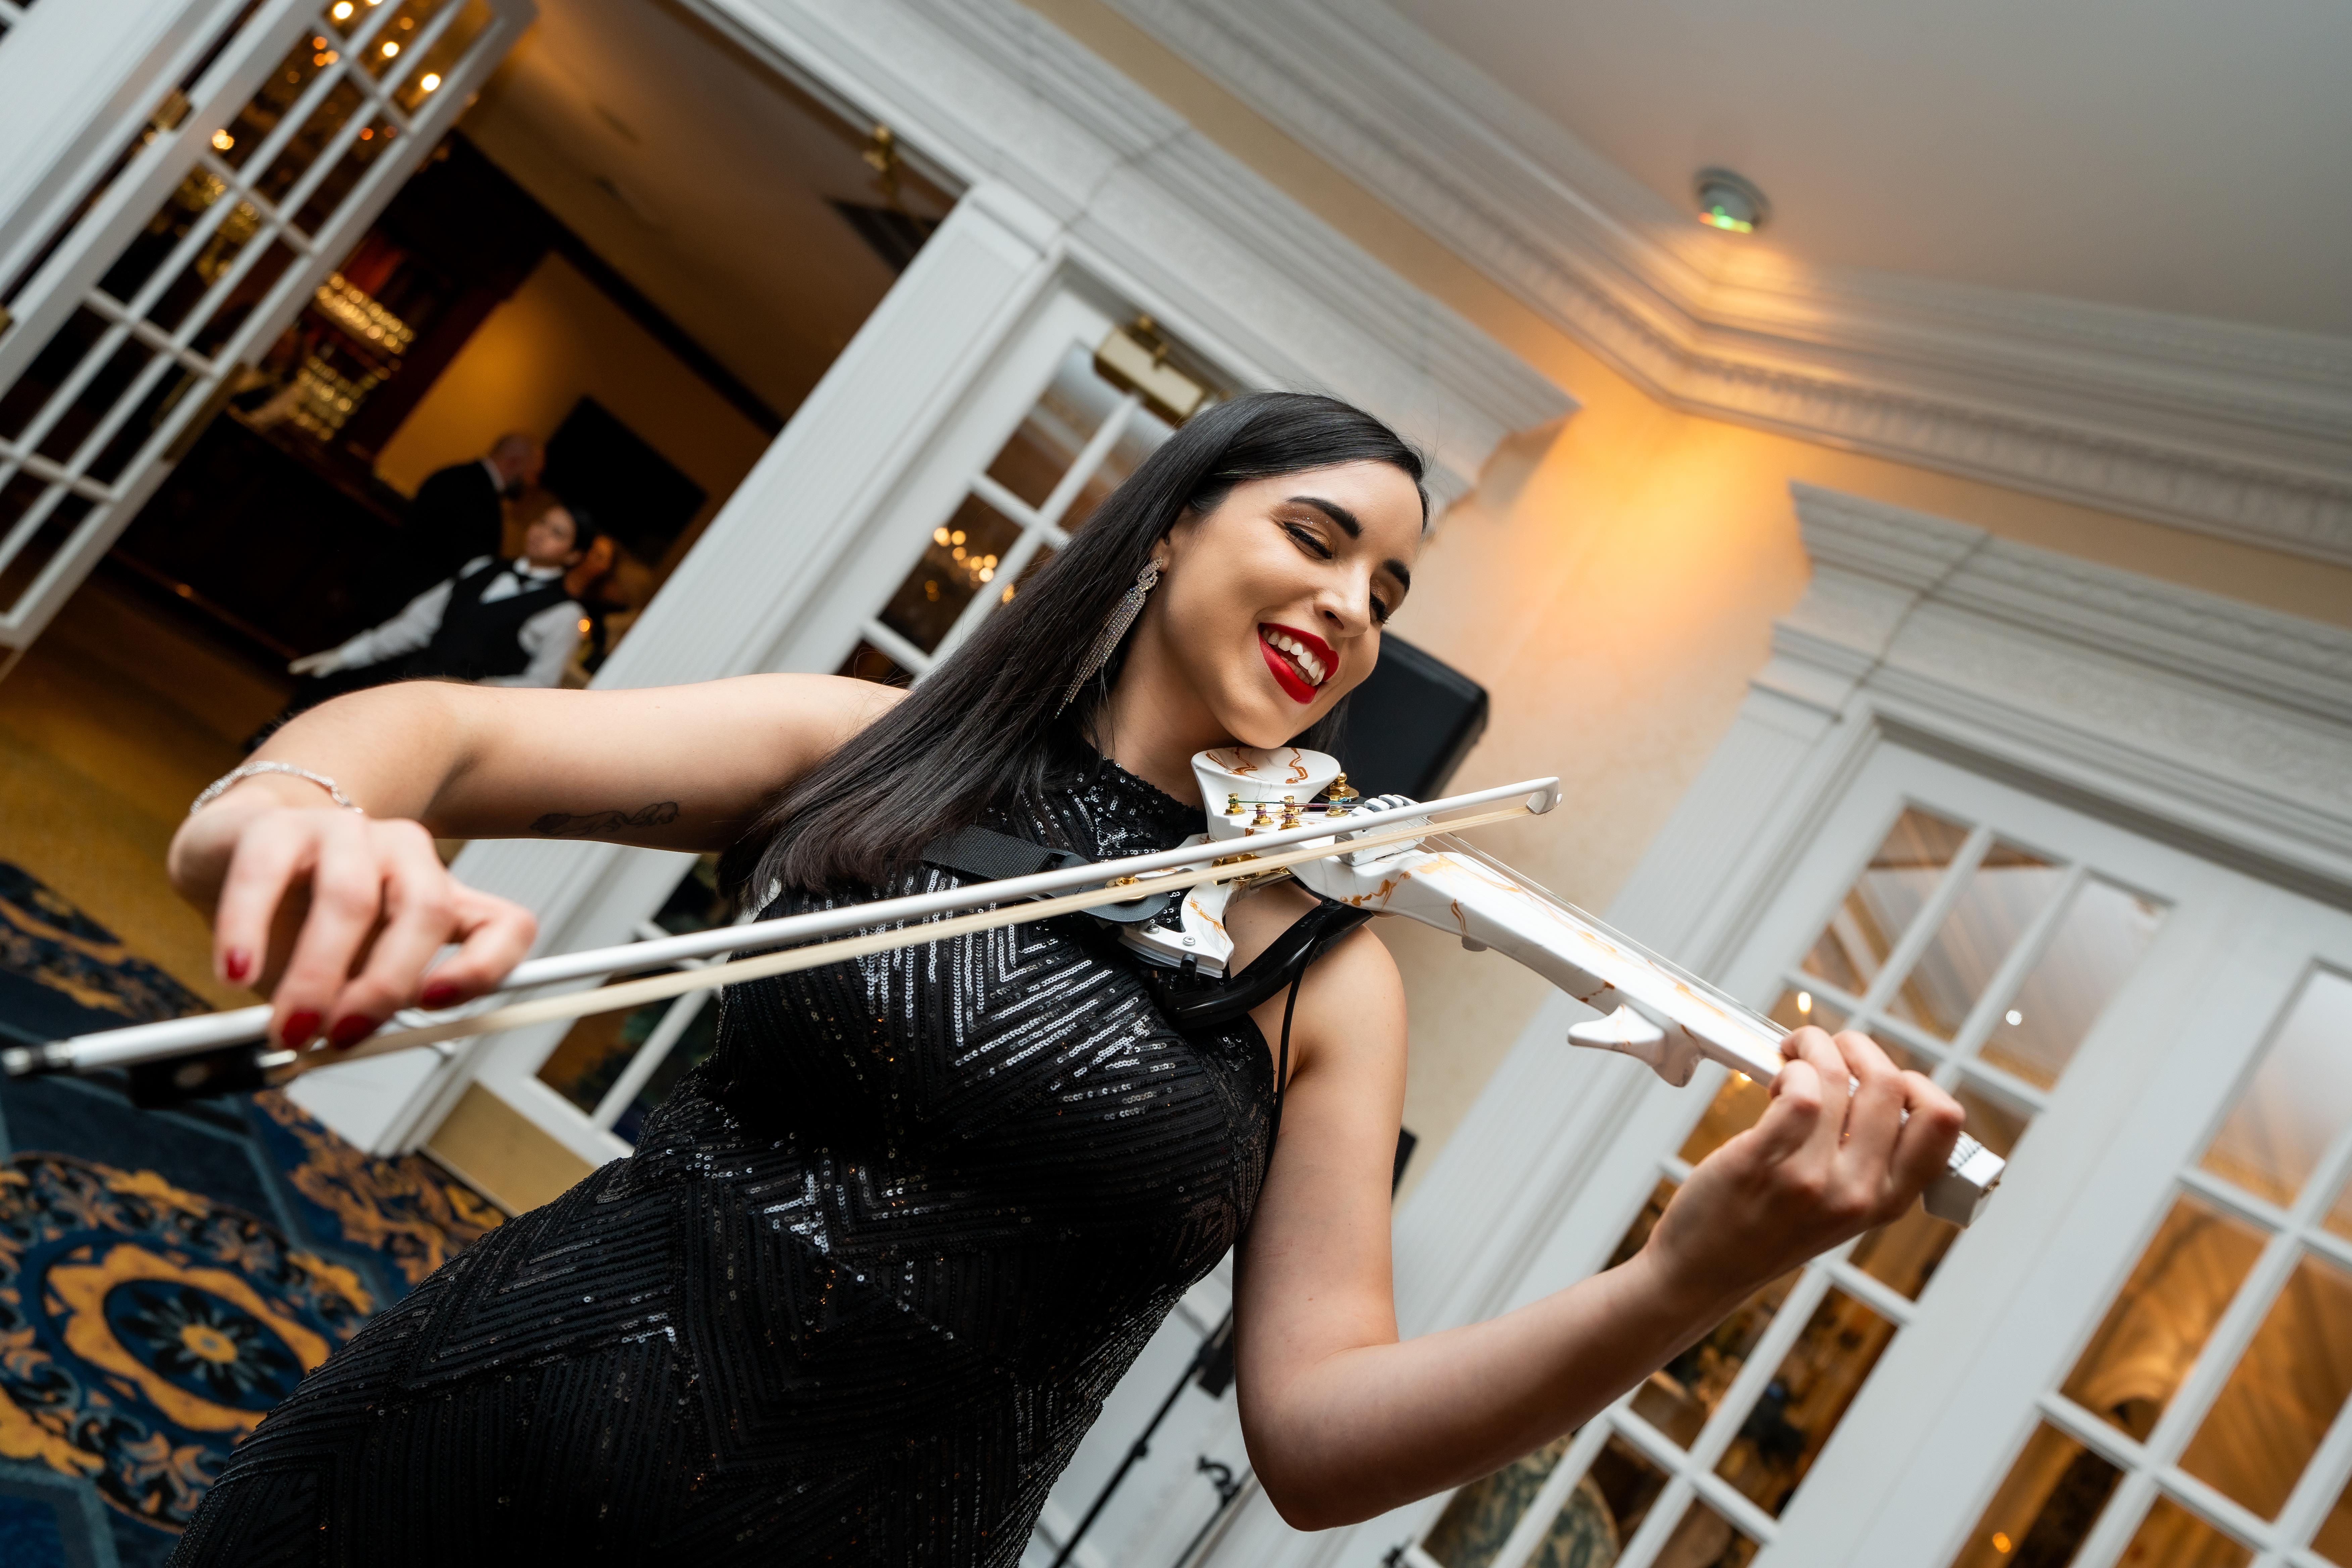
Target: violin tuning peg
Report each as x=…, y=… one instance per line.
x=1232, y=805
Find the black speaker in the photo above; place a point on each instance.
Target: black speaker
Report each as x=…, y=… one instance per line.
x=1411, y=722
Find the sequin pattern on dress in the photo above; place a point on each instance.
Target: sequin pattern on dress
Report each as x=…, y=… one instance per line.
x=854, y=1298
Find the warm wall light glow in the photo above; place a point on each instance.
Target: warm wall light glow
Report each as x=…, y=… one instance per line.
x=224, y=140
x=1805, y=1002
x=2015, y=1018
x=342, y=10
x=2001, y=1544
x=430, y=81
x=390, y=48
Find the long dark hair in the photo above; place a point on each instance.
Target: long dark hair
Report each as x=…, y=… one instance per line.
x=982, y=730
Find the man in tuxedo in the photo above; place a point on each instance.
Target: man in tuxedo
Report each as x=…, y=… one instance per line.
x=455, y=517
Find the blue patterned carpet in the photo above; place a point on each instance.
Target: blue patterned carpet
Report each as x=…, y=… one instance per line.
x=165, y=1277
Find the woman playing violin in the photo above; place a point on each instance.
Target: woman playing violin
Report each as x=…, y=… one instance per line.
x=872, y=1266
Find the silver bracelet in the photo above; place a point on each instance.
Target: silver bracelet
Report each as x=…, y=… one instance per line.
x=214, y=790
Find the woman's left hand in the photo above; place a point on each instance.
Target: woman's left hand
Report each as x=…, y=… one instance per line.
x=1820, y=1167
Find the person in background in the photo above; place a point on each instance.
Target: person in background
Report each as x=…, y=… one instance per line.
x=457, y=516
x=501, y=622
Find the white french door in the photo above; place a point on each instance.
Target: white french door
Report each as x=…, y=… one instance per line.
x=2091, y=996
x=255, y=149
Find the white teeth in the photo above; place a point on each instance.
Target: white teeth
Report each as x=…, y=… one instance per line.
x=1308, y=662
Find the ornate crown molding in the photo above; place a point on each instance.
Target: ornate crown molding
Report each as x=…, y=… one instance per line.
x=2239, y=431
x=2231, y=722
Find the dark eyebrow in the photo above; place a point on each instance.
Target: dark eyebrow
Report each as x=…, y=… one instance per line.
x=1354, y=529
x=1336, y=512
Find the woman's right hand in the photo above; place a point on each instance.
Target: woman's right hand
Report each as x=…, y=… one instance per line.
x=337, y=917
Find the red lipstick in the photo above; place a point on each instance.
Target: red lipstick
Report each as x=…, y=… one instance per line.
x=1293, y=685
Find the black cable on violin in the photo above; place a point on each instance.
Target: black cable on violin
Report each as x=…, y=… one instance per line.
x=1282, y=1064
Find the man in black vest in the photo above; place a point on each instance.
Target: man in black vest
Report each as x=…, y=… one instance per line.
x=500, y=622
x=455, y=517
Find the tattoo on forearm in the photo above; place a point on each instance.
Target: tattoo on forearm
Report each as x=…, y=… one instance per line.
x=604, y=824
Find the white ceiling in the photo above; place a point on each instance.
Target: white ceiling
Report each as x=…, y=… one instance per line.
x=2172, y=154
x=700, y=175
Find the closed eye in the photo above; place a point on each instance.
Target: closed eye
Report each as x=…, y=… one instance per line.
x=1306, y=540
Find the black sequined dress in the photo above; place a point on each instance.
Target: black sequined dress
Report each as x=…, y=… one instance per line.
x=855, y=1298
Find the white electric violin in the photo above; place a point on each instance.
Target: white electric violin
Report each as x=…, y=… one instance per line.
x=1279, y=812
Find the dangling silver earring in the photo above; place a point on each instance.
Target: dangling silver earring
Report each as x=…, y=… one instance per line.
x=1122, y=616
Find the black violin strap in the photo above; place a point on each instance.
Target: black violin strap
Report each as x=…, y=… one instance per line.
x=991, y=856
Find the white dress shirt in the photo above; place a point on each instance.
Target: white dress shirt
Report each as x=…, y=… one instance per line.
x=548, y=637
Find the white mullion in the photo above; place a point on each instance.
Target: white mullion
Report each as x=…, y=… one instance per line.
x=2112, y=1444
x=413, y=54
x=1869, y=1290
x=1929, y=920
x=1015, y=510
x=914, y=661
x=13, y=543
x=2024, y=955
x=1913, y=1038
x=199, y=234
x=1736, y=1506
x=147, y=333
x=2232, y=1332
x=1090, y=457
x=986, y=597
x=94, y=359
x=49, y=471
x=649, y=1056
x=1641, y=1548
x=330, y=157
x=2119, y=1521
x=11, y=13
x=375, y=20
x=298, y=113
x=2219, y=1510
x=1822, y=990
x=113, y=418
x=1730, y=1413
x=61, y=559
x=1527, y=1534
x=270, y=231
x=2234, y=1201
x=2006, y=1085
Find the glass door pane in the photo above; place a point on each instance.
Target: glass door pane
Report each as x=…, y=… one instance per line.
x=2225, y=1362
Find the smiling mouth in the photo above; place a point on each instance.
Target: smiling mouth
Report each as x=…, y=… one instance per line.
x=1300, y=661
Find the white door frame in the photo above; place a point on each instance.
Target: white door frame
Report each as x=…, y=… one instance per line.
x=2219, y=728
x=1072, y=172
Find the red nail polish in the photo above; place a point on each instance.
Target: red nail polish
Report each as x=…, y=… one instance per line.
x=301, y=1029
x=440, y=994
x=350, y=1031
x=236, y=964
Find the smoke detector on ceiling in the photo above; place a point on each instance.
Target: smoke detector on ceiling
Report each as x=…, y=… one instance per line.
x=1729, y=201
